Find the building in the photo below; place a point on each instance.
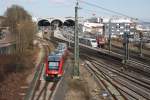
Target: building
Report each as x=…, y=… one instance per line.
x=93, y=26
x=144, y=28
x=118, y=25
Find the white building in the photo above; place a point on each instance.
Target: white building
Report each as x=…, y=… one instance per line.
x=93, y=27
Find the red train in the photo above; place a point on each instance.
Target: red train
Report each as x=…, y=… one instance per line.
x=101, y=41
x=55, y=62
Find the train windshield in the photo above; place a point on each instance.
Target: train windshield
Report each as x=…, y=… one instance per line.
x=93, y=43
x=53, y=65
x=93, y=40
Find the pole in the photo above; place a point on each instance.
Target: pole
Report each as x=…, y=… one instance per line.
x=125, y=44
x=69, y=39
x=109, y=40
x=141, y=44
x=76, y=43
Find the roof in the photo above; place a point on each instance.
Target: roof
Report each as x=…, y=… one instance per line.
x=117, y=19
x=88, y=24
x=121, y=21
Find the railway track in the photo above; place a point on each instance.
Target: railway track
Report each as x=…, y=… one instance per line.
x=133, y=55
x=131, y=65
x=44, y=89
x=127, y=86
x=113, y=92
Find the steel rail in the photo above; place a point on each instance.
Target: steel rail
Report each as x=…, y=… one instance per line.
x=125, y=75
x=32, y=87
x=104, y=80
x=120, y=83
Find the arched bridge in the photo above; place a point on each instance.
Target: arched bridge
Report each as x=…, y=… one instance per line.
x=60, y=21
x=57, y=22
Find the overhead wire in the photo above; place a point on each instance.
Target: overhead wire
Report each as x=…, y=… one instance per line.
x=99, y=12
x=106, y=9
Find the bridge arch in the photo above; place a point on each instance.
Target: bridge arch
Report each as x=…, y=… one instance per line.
x=69, y=22
x=56, y=23
x=43, y=22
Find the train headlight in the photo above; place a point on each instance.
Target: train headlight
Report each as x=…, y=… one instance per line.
x=59, y=75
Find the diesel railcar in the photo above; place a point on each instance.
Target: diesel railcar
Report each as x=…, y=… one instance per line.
x=55, y=62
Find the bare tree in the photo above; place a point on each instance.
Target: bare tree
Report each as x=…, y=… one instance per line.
x=27, y=31
x=20, y=23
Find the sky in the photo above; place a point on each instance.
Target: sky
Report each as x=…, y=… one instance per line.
x=57, y=8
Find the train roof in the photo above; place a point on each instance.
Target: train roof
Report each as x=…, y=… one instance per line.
x=59, y=51
x=55, y=56
x=62, y=44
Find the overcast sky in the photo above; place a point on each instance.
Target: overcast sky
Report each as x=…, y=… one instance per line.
x=51, y=8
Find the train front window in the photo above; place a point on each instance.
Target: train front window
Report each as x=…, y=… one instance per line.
x=93, y=41
x=53, y=65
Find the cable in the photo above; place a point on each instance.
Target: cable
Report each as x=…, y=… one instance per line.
x=108, y=10
x=95, y=11
x=94, y=5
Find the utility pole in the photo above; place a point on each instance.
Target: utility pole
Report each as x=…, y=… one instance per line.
x=69, y=39
x=141, y=44
x=125, y=44
x=76, y=44
x=109, y=40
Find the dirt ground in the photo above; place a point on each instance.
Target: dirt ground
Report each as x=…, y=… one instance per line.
x=84, y=88
x=13, y=82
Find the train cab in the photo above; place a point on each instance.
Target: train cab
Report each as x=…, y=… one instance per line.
x=93, y=42
x=88, y=41
x=101, y=41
